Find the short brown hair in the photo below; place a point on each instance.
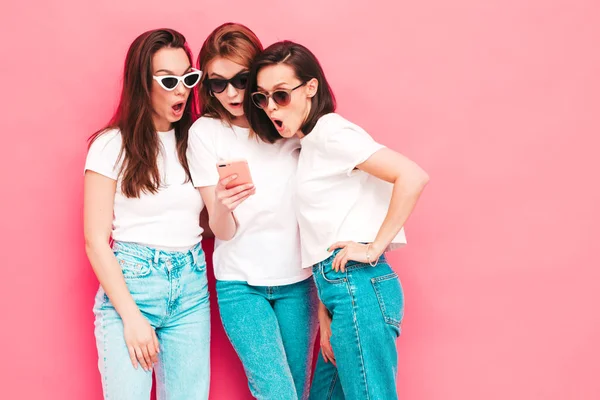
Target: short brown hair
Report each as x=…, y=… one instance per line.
x=305, y=66
x=235, y=42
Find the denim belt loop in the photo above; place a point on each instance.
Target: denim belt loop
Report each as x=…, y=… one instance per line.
x=156, y=254
x=194, y=256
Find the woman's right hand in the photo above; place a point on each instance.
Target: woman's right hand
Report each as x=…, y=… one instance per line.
x=325, y=333
x=229, y=199
x=141, y=341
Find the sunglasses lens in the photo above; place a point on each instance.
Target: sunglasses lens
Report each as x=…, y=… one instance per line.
x=282, y=98
x=239, y=81
x=217, y=85
x=169, y=82
x=191, y=79
x=259, y=100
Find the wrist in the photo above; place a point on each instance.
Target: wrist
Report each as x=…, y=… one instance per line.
x=373, y=252
x=131, y=315
x=376, y=250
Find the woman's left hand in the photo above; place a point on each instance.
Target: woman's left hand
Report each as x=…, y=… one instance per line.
x=352, y=251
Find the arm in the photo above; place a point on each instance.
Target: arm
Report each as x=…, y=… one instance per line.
x=99, y=194
x=409, y=180
x=221, y=202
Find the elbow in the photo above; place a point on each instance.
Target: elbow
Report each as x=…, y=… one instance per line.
x=423, y=178
x=219, y=234
x=417, y=182
x=93, y=244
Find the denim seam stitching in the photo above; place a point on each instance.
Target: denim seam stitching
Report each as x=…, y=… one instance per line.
x=104, y=339
x=332, y=386
x=375, y=282
x=332, y=281
x=360, y=351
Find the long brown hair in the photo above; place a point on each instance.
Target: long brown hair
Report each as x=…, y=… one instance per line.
x=133, y=116
x=235, y=42
x=306, y=66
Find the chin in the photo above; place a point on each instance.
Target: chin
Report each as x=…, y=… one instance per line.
x=235, y=113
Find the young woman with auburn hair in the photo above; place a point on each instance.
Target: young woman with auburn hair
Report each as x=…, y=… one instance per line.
x=267, y=302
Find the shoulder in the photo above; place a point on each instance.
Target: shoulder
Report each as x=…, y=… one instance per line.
x=207, y=126
x=109, y=140
x=333, y=128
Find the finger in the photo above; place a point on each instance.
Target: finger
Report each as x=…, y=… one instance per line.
x=156, y=344
x=152, y=353
x=324, y=355
x=329, y=353
x=343, y=262
x=237, y=189
x=140, y=357
x=336, y=261
x=223, y=182
x=333, y=362
x=238, y=196
x=132, y=356
x=147, y=356
x=337, y=245
x=232, y=206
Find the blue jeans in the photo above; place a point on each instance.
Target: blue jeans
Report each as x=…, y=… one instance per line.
x=171, y=291
x=273, y=330
x=367, y=307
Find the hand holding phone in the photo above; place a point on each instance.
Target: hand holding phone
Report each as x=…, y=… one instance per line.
x=235, y=184
x=235, y=167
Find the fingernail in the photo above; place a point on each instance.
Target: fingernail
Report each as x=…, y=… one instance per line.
x=328, y=249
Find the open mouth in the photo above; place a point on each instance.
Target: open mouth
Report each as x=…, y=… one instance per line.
x=178, y=107
x=278, y=124
x=236, y=104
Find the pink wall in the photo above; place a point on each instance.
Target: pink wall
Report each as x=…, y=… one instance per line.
x=498, y=100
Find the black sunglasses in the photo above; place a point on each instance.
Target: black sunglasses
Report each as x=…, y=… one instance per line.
x=218, y=85
x=281, y=97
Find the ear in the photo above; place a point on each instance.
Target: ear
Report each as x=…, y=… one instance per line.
x=311, y=87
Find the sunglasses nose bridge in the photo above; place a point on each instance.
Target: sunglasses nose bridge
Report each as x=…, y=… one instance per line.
x=231, y=90
x=180, y=87
x=271, y=104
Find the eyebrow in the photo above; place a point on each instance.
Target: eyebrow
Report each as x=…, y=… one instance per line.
x=214, y=74
x=171, y=72
x=278, y=86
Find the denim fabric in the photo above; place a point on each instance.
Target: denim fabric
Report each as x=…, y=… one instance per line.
x=273, y=330
x=367, y=307
x=171, y=291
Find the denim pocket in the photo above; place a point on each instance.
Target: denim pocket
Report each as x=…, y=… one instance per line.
x=390, y=297
x=331, y=276
x=133, y=267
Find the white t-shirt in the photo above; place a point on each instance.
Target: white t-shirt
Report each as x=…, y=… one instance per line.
x=169, y=219
x=335, y=201
x=265, y=250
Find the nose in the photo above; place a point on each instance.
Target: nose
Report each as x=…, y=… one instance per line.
x=180, y=89
x=271, y=105
x=231, y=91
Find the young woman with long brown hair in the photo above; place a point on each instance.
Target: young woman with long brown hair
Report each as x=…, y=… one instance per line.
x=152, y=307
x=267, y=302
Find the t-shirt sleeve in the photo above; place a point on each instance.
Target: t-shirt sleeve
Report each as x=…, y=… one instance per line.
x=201, y=154
x=103, y=155
x=349, y=145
